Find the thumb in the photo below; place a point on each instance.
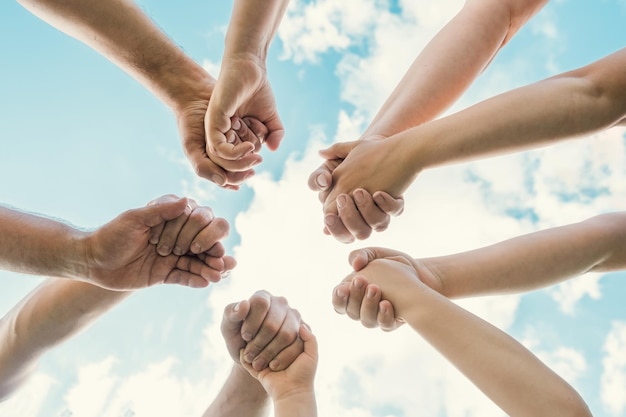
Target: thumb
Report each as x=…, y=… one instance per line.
x=310, y=342
x=234, y=315
x=361, y=257
x=161, y=211
x=338, y=150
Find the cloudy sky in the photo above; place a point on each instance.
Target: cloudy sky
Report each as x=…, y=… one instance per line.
x=84, y=142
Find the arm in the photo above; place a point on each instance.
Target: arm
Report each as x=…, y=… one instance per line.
x=509, y=374
x=53, y=312
x=441, y=72
x=572, y=104
x=120, y=31
x=242, y=88
x=241, y=396
x=520, y=264
x=171, y=240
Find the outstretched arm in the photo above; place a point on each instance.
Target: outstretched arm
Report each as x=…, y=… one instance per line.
x=52, y=313
x=576, y=103
x=441, y=72
x=243, y=88
x=120, y=31
x=509, y=374
x=520, y=264
x=171, y=240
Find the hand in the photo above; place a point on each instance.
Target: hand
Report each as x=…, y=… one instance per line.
x=370, y=293
x=190, y=116
x=242, y=90
x=123, y=254
x=358, y=213
x=265, y=329
x=298, y=378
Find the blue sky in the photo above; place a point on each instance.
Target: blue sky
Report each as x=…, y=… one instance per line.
x=84, y=142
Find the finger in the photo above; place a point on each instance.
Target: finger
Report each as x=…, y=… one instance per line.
x=208, y=236
x=229, y=264
x=260, y=303
x=185, y=278
x=386, y=316
x=286, y=335
x=257, y=128
x=286, y=356
x=241, y=164
x=159, y=211
x=245, y=134
x=338, y=150
x=309, y=340
x=351, y=218
x=230, y=151
x=337, y=229
x=170, y=232
x=373, y=215
x=322, y=178
x=357, y=293
x=199, y=219
x=369, y=308
x=232, y=319
x=276, y=133
x=361, y=257
x=276, y=317
x=388, y=204
x=217, y=250
x=341, y=293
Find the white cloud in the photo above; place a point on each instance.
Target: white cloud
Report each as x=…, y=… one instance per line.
x=89, y=395
x=29, y=399
x=568, y=293
x=613, y=382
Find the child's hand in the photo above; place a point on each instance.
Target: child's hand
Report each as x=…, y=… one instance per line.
x=298, y=379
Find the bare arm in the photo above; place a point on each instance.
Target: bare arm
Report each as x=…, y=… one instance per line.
x=53, y=312
x=241, y=396
x=510, y=375
x=534, y=260
x=441, y=72
x=572, y=104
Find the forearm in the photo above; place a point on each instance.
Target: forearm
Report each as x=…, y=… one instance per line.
x=39, y=246
x=301, y=405
x=534, y=260
x=120, y=31
x=450, y=62
x=577, y=103
x=53, y=312
x=241, y=396
x=509, y=374
x=252, y=27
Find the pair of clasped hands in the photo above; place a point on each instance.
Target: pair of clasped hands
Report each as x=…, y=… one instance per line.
x=348, y=182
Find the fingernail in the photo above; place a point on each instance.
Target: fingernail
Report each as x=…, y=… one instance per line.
x=154, y=240
x=274, y=365
x=163, y=250
x=218, y=179
x=247, y=336
x=236, y=307
x=359, y=196
x=341, y=293
x=196, y=248
x=357, y=283
x=329, y=220
x=249, y=357
x=341, y=201
x=236, y=124
x=231, y=137
x=259, y=364
x=370, y=293
x=321, y=180
x=178, y=251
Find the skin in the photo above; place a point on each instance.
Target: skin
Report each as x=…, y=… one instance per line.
x=573, y=104
x=292, y=390
x=61, y=308
x=243, y=394
x=120, y=31
x=442, y=71
x=130, y=252
x=521, y=264
x=509, y=374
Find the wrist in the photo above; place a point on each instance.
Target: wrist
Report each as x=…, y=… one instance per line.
x=296, y=404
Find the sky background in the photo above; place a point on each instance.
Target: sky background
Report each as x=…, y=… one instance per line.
x=83, y=142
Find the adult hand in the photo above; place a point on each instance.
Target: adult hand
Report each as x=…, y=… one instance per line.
x=357, y=213
x=135, y=251
x=242, y=90
x=298, y=378
x=190, y=115
x=265, y=329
